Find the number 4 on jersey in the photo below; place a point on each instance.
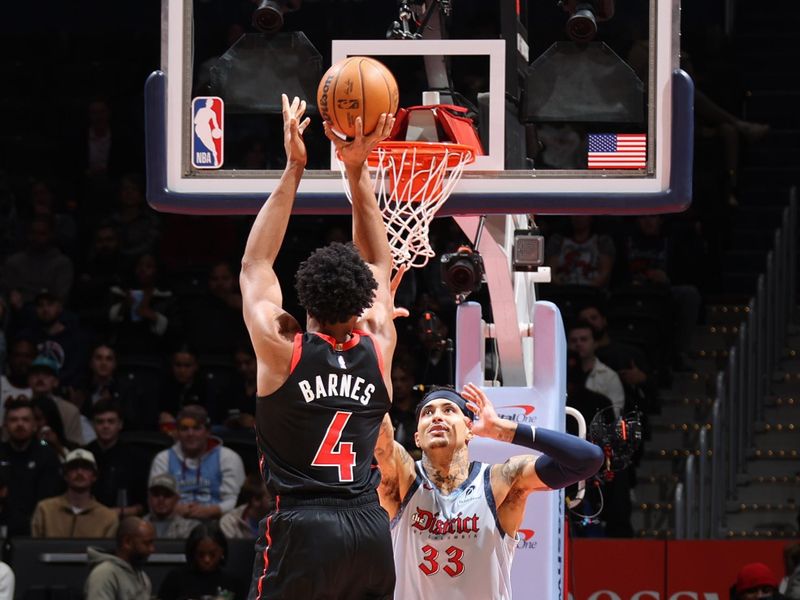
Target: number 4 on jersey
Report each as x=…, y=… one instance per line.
x=332, y=452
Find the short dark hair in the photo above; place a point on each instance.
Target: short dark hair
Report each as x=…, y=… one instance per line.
x=334, y=284
x=211, y=531
x=105, y=405
x=18, y=403
x=582, y=324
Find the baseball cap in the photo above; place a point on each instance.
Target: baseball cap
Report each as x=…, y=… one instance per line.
x=45, y=362
x=754, y=575
x=164, y=481
x=193, y=412
x=80, y=455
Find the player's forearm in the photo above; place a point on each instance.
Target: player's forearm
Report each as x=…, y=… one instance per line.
x=567, y=458
x=369, y=232
x=269, y=227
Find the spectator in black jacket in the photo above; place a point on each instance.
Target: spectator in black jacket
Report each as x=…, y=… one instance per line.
x=203, y=575
x=121, y=470
x=31, y=467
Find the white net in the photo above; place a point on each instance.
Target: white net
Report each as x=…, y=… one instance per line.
x=412, y=182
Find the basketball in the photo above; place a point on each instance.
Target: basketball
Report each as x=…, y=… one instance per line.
x=356, y=87
x=216, y=134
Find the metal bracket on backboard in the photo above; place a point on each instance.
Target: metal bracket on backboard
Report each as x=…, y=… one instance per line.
x=675, y=198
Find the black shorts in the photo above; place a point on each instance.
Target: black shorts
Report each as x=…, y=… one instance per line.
x=324, y=549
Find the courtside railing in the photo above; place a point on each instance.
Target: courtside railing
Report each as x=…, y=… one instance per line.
x=710, y=479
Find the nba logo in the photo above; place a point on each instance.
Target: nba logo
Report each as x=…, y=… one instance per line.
x=207, y=128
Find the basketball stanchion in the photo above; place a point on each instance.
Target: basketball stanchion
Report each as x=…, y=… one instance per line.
x=413, y=180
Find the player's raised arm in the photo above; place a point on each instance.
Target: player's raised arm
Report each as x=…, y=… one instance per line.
x=268, y=324
x=397, y=468
x=369, y=231
x=566, y=458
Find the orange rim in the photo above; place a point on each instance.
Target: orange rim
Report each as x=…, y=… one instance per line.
x=424, y=152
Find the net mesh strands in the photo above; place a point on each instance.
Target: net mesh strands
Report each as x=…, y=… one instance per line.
x=412, y=181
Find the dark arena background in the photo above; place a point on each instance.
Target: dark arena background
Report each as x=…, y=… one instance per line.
x=122, y=344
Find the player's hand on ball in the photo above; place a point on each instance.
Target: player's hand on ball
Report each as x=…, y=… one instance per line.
x=293, y=127
x=354, y=153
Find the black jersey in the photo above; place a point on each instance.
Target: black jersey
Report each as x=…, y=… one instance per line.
x=317, y=432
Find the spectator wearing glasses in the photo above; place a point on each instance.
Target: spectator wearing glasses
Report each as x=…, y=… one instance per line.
x=209, y=475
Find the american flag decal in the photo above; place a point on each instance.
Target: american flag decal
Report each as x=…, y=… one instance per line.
x=617, y=150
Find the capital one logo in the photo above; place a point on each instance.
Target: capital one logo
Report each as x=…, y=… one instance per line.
x=651, y=595
x=525, y=539
x=519, y=413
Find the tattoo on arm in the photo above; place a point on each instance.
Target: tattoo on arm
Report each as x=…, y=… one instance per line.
x=513, y=467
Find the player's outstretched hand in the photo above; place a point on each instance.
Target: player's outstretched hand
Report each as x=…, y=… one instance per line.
x=398, y=311
x=354, y=153
x=487, y=422
x=293, y=128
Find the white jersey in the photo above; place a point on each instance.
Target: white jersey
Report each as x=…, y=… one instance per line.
x=451, y=546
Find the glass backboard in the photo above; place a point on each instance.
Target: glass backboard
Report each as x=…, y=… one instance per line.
x=600, y=125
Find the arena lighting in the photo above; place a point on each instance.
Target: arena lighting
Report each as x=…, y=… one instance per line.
x=584, y=15
x=268, y=17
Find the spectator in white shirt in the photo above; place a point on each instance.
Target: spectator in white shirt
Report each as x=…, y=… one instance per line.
x=600, y=378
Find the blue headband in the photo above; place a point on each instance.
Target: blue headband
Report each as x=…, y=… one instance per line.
x=444, y=394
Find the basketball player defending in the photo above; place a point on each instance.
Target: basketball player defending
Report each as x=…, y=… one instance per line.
x=322, y=394
x=454, y=522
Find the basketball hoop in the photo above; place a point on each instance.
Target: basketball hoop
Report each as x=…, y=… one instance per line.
x=413, y=180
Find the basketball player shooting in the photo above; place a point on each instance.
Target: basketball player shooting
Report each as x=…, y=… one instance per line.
x=454, y=522
x=322, y=394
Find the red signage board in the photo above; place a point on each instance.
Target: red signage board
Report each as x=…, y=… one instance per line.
x=661, y=570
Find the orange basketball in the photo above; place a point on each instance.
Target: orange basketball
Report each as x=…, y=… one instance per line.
x=356, y=87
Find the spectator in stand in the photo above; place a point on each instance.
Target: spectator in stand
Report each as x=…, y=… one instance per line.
x=790, y=585
x=136, y=222
x=49, y=426
x=755, y=581
x=434, y=361
x=141, y=315
x=209, y=475
x=100, y=271
x=183, y=385
x=649, y=254
x=583, y=257
x=60, y=332
x=203, y=575
x=256, y=503
x=3, y=502
x=600, y=377
x=213, y=321
x=585, y=401
x=40, y=265
x=121, y=576
x=44, y=204
x=14, y=383
x=103, y=385
x=162, y=500
x=404, y=401
x=629, y=362
x=30, y=466
x=6, y=582
x=121, y=469
x=43, y=381
x=242, y=405
x=75, y=514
